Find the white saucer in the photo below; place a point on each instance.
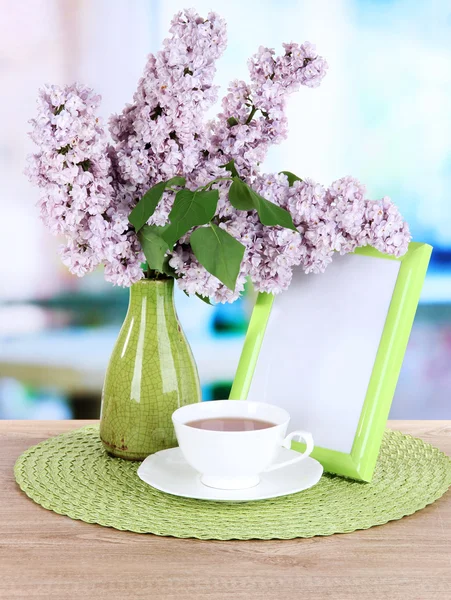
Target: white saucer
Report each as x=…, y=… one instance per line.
x=169, y=472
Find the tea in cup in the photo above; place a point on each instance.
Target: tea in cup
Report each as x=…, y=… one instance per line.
x=231, y=442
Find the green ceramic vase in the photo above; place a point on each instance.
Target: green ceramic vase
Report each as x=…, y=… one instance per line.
x=151, y=373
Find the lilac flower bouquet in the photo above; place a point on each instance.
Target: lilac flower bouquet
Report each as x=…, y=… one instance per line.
x=186, y=197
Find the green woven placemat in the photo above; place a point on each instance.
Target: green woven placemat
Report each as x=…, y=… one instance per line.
x=72, y=475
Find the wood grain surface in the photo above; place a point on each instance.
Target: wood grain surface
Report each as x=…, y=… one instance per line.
x=48, y=556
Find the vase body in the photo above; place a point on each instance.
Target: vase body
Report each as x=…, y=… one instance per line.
x=151, y=373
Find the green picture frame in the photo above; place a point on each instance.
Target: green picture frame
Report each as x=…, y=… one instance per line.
x=360, y=462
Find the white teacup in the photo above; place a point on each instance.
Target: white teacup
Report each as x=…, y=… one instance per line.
x=233, y=460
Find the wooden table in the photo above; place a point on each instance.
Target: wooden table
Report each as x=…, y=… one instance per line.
x=45, y=555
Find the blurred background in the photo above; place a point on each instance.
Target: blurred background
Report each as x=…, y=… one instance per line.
x=382, y=114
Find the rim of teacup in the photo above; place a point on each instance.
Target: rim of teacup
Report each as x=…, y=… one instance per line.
x=213, y=407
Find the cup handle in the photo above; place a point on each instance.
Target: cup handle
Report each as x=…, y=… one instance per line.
x=302, y=435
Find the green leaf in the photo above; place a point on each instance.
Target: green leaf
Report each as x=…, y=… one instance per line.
x=180, y=181
x=146, y=206
x=291, y=177
x=149, y=202
x=219, y=252
x=153, y=246
x=85, y=164
x=232, y=121
x=190, y=209
x=167, y=269
x=205, y=299
x=242, y=197
x=230, y=166
x=271, y=214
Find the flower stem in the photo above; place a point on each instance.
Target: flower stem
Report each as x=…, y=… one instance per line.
x=204, y=187
x=251, y=115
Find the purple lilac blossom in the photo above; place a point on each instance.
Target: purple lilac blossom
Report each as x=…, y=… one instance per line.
x=89, y=187
x=73, y=169
x=162, y=133
x=338, y=219
x=272, y=80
